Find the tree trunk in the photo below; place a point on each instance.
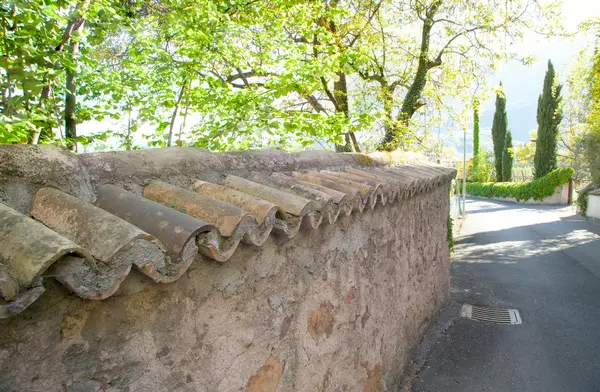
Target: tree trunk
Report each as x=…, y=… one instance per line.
x=340, y=93
x=128, y=137
x=187, y=106
x=174, y=117
x=390, y=123
x=76, y=25
x=395, y=135
x=354, y=142
x=6, y=89
x=70, y=106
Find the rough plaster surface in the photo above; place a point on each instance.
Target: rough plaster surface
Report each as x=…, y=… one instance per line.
x=336, y=309
x=593, y=207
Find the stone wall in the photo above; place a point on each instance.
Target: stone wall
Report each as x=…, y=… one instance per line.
x=334, y=309
x=593, y=206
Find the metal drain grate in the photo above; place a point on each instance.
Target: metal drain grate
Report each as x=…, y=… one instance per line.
x=491, y=315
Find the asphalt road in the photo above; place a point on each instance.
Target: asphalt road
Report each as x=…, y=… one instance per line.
x=544, y=261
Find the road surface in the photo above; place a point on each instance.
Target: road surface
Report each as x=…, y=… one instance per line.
x=544, y=261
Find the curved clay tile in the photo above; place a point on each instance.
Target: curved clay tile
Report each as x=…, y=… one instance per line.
x=291, y=208
x=402, y=185
x=353, y=196
x=323, y=204
x=379, y=188
x=113, y=242
x=390, y=187
x=291, y=204
x=27, y=249
x=337, y=196
x=231, y=223
x=175, y=230
x=367, y=193
x=413, y=183
x=262, y=210
x=91, y=249
x=223, y=216
x=421, y=182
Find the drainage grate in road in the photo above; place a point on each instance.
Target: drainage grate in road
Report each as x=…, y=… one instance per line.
x=491, y=315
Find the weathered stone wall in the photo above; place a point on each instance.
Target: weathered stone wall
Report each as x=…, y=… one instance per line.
x=333, y=309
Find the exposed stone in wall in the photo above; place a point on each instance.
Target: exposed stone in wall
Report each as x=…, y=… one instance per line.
x=337, y=307
x=371, y=283
x=373, y=383
x=321, y=321
x=267, y=377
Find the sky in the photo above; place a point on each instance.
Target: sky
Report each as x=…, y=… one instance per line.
x=523, y=84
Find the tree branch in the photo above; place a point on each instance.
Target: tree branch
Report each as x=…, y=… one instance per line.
x=329, y=93
x=372, y=77
x=438, y=59
x=74, y=24
x=369, y=19
x=240, y=75
x=314, y=102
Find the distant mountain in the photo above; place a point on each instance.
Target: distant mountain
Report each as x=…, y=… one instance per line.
x=521, y=120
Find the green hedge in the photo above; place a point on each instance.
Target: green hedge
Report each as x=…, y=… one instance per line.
x=450, y=233
x=536, y=189
x=582, y=203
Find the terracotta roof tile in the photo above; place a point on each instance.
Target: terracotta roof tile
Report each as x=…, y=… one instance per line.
x=286, y=202
x=263, y=211
x=176, y=230
x=90, y=248
x=27, y=249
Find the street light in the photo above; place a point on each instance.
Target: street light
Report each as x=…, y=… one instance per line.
x=464, y=195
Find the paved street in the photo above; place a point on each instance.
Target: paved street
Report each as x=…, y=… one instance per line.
x=544, y=261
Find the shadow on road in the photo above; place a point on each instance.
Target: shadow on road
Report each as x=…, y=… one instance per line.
x=542, y=260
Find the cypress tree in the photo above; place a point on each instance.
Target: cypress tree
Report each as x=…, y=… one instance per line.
x=507, y=158
x=475, y=128
x=499, y=127
x=476, y=140
x=549, y=116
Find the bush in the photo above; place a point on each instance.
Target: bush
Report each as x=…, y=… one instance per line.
x=483, y=169
x=582, y=203
x=582, y=199
x=450, y=233
x=536, y=189
x=591, y=155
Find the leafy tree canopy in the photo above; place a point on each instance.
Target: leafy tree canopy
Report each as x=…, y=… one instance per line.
x=240, y=74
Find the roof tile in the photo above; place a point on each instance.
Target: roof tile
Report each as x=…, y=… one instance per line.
x=223, y=216
x=114, y=243
x=174, y=229
x=322, y=206
x=27, y=249
x=91, y=248
x=286, y=202
x=263, y=210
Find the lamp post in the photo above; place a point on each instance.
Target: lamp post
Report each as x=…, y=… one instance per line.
x=464, y=192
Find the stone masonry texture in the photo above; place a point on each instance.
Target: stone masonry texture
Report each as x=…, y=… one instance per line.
x=335, y=309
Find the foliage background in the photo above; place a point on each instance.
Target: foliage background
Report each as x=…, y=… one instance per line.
x=232, y=74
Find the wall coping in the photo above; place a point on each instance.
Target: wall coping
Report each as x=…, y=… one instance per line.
x=595, y=192
x=87, y=220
